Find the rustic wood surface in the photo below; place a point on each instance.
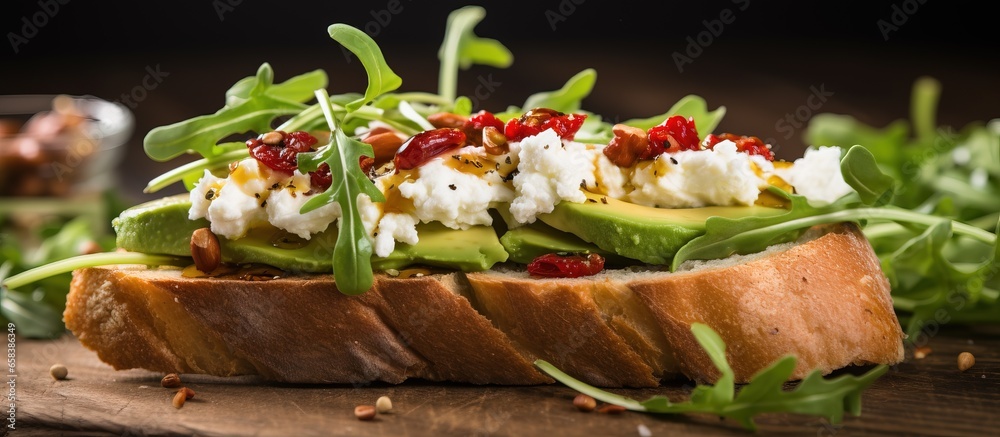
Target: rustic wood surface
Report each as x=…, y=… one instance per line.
x=919, y=397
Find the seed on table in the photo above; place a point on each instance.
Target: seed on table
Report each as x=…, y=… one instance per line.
x=188, y=393
x=584, y=403
x=383, y=405
x=965, y=361
x=58, y=371
x=171, y=381
x=179, y=398
x=921, y=352
x=364, y=412
x=611, y=409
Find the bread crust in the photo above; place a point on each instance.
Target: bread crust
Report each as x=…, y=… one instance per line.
x=824, y=300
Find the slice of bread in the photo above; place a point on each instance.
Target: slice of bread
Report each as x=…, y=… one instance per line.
x=822, y=298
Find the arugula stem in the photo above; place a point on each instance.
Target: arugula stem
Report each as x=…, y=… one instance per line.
x=893, y=214
x=198, y=166
x=419, y=97
x=586, y=389
x=92, y=260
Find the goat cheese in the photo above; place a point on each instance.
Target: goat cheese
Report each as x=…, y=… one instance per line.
x=816, y=175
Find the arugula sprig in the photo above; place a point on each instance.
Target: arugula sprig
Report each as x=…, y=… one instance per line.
x=764, y=394
x=951, y=178
x=463, y=48
x=352, y=253
x=252, y=104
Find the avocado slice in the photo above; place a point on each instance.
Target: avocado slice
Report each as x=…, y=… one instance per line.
x=528, y=242
x=470, y=250
x=162, y=226
x=651, y=235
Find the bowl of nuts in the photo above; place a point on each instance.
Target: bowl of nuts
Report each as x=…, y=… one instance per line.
x=59, y=145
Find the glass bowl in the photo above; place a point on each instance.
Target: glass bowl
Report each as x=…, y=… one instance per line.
x=59, y=145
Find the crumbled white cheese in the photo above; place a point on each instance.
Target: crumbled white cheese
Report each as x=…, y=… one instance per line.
x=394, y=227
x=721, y=176
x=550, y=171
x=455, y=198
x=816, y=175
x=253, y=196
x=283, y=208
x=206, y=190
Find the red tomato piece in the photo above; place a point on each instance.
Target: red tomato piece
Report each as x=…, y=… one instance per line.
x=552, y=265
x=424, y=146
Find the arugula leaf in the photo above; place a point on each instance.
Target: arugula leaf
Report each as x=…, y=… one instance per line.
x=949, y=184
x=689, y=106
x=568, y=98
x=352, y=254
x=251, y=105
x=765, y=392
x=462, y=48
x=381, y=78
x=861, y=172
x=725, y=237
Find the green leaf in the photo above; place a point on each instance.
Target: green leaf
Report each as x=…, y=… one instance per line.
x=352, y=253
x=568, y=98
x=923, y=107
x=764, y=393
x=299, y=88
x=725, y=237
x=33, y=317
x=381, y=78
x=251, y=105
x=463, y=48
x=689, y=106
x=862, y=173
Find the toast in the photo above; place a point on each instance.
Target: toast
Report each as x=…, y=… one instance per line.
x=822, y=298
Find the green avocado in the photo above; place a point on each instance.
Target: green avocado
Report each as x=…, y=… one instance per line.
x=162, y=227
x=530, y=241
x=651, y=235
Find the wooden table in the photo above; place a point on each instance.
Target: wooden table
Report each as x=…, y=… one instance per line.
x=919, y=397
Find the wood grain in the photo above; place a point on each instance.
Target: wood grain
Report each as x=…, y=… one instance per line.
x=919, y=397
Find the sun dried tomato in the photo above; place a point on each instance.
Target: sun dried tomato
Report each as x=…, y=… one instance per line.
x=675, y=134
x=746, y=144
x=321, y=178
x=282, y=156
x=539, y=120
x=553, y=265
x=424, y=146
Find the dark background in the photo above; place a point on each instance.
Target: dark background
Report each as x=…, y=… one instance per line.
x=763, y=66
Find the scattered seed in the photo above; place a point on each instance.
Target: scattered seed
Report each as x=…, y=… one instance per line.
x=205, y=250
x=188, y=393
x=611, y=409
x=58, y=371
x=179, y=398
x=921, y=352
x=171, y=381
x=584, y=403
x=364, y=412
x=383, y=405
x=965, y=361
x=272, y=138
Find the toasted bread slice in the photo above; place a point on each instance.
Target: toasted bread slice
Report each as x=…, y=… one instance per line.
x=823, y=299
